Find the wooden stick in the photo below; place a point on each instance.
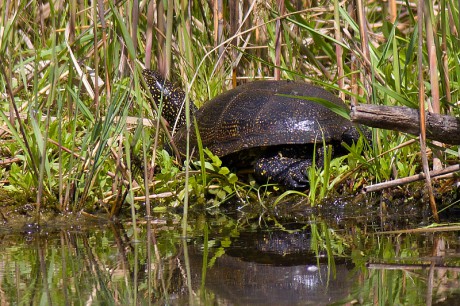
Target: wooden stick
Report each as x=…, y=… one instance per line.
x=443, y=128
x=410, y=179
x=389, y=266
x=433, y=229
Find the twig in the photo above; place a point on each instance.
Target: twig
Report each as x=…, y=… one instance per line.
x=7, y=161
x=434, y=229
x=388, y=266
x=410, y=179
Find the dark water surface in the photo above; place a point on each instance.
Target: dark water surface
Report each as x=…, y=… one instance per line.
x=231, y=260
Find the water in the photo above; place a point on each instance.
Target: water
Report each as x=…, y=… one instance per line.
x=239, y=259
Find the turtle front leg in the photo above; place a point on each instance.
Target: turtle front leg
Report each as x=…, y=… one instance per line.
x=288, y=171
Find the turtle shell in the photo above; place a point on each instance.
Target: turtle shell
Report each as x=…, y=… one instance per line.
x=253, y=115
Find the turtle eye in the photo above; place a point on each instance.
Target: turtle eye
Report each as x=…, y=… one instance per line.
x=161, y=88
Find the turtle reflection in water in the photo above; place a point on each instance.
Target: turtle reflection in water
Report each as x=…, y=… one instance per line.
x=252, y=125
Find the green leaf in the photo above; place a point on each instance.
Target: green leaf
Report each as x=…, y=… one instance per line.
x=393, y=94
x=232, y=178
x=227, y=188
x=339, y=110
x=124, y=31
x=224, y=171
x=215, y=159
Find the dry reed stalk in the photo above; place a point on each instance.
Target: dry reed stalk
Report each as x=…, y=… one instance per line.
x=219, y=29
x=426, y=170
x=149, y=33
x=169, y=37
x=444, y=58
x=393, y=10
x=281, y=10
x=363, y=33
x=339, y=50
x=434, y=80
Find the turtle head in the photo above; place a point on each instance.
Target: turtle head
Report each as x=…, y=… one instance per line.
x=172, y=98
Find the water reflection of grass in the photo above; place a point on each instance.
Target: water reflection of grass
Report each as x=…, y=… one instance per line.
x=409, y=269
x=106, y=264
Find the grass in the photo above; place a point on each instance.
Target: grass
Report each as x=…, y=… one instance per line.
x=72, y=126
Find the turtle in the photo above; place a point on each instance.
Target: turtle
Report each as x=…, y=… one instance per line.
x=254, y=125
